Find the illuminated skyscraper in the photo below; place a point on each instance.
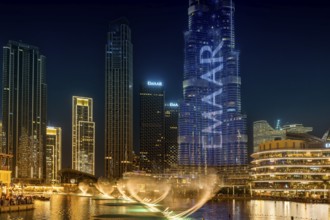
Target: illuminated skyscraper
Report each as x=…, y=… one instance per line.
x=171, y=135
x=53, y=153
x=24, y=109
x=83, y=135
x=152, y=150
x=212, y=128
x=118, y=100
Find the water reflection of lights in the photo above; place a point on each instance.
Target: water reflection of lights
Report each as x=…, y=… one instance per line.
x=273, y=210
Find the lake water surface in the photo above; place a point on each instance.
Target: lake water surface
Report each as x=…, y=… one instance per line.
x=63, y=207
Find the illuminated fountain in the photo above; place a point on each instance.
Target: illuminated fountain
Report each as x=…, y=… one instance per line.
x=148, y=190
x=123, y=190
x=105, y=187
x=175, y=198
x=199, y=190
x=83, y=187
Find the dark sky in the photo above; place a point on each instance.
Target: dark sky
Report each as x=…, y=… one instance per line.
x=284, y=44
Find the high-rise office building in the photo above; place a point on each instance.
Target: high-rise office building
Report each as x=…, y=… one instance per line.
x=212, y=128
x=83, y=135
x=24, y=109
x=152, y=151
x=53, y=153
x=171, y=135
x=118, y=100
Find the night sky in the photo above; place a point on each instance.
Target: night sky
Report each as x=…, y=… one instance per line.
x=284, y=44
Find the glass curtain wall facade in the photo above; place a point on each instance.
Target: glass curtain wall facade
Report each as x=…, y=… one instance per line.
x=83, y=135
x=24, y=109
x=171, y=135
x=53, y=153
x=212, y=129
x=152, y=151
x=118, y=100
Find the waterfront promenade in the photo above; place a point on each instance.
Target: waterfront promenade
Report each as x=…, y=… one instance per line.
x=15, y=203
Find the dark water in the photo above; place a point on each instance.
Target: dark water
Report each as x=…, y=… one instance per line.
x=63, y=207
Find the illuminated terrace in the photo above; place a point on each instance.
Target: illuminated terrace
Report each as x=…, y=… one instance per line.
x=291, y=168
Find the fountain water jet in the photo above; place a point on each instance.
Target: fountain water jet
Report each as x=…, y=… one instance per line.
x=148, y=190
x=206, y=185
x=84, y=187
x=105, y=186
x=180, y=197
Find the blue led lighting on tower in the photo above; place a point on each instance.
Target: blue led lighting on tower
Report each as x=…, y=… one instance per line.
x=278, y=125
x=212, y=129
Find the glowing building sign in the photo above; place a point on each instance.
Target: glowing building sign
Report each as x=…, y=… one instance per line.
x=212, y=129
x=173, y=104
x=151, y=83
x=212, y=58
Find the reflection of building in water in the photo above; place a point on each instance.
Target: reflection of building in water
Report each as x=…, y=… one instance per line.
x=296, y=167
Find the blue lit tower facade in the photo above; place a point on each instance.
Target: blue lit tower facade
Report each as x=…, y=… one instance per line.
x=212, y=130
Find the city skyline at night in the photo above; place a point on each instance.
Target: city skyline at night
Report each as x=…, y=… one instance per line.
x=284, y=56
